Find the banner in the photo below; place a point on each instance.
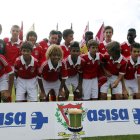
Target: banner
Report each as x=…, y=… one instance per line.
x=50, y=120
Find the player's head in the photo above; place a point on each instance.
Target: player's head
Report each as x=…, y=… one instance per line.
x=54, y=53
x=32, y=37
x=15, y=30
x=114, y=50
x=74, y=49
x=108, y=32
x=93, y=46
x=135, y=50
x=131, y=35
x=53, y=37
x=88, y=36
x=59, y=37
x=26, y=49
x=68, y=35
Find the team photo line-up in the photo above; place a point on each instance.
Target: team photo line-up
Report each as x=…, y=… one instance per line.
x=51, y=71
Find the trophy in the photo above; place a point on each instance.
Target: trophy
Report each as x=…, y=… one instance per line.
x=75, y=126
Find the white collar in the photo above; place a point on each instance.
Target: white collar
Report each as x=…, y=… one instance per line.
x=96, y=58
x=51, y=66
x=105, y=43
x=18, y=42
x=132, y=62
x=67, y=48
x=119, y=59
x=24, y=63
x=71, y=62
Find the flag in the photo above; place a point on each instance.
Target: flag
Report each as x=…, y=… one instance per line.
x=32, y=28
x=71, y=27
x=100, y=34
x=83, y=37
x=21, y=31
x=57, y=27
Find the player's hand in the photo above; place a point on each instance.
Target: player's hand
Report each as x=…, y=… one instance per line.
x=115, y=84
x=107, y=73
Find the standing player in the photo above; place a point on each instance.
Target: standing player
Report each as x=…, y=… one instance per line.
x=126, y=46
x=68, y=37
x=26, y=70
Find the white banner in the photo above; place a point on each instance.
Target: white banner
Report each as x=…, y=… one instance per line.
x=36, y=121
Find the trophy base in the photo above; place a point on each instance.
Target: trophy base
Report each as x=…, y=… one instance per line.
x=75, y=135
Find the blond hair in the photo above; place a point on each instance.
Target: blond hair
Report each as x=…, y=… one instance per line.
x=54, y=49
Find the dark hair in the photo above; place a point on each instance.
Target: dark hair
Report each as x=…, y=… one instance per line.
x=59, y=32
x=53, y=32
x=135, y=45
x=132, y=30
x=108, y=27
x=67, y=32
x=27, y=45
x=92, y=42
x=114, y=47
x=31, y=33
x=88, y=33
x=74, y=44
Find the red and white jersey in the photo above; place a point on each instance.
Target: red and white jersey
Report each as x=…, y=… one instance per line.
x=44, y=45
x=90, y=67
x=102, y=47
x=24, y=71
x=116, y=67
x=12, y=51
x=51, y=74
x=125, y=49
x=4, y=66
x=66, y=50
x=37, y=52
x=132, y=69
x=74, y=69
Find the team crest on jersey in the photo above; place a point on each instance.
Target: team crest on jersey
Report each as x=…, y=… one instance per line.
x=36, y=52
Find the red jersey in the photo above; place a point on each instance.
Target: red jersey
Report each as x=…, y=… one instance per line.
x=12, y=51
x=51, y=74
x=66, y=51
x=116, y=67
x=26, y=72
x=102, y=47
x=125, y=49
x=74, y=69
x=4, y=66
x=37, y=52
x=132, y=69
x=44, y=45
x=90, y=67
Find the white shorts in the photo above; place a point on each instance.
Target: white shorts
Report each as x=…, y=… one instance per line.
x=51, y=85
x=28, y=86
x=73, y=80
x=90, y=88
x=4, y=82
x=110, y=80
x=132, y=86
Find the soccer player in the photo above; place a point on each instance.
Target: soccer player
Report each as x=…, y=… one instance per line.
x=132, y=75
x=126, y=46
x=90, y=71
x=26, y=71
x=6, y=79
x=51, y=71
x=74, y=63
x=115, y=68
x=37, y=49
x=68, y=37
x=88, y=36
